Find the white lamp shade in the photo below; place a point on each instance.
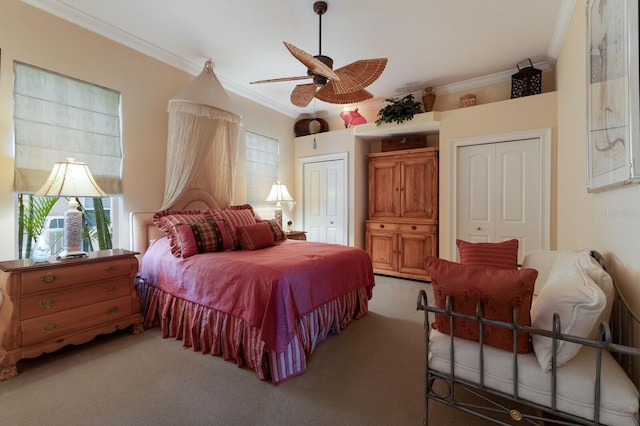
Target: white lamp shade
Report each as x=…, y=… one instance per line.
x=278, y=193
x=70, y=179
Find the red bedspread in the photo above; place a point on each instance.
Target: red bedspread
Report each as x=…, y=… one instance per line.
x=268, y=288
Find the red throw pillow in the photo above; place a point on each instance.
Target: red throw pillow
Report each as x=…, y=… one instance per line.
x=500, y=290
x=498, y=255
x=167, y=220
x=254, y=237
x=202, y=237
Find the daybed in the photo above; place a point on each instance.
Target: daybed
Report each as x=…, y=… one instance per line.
x=579, y=368
x=265, y=304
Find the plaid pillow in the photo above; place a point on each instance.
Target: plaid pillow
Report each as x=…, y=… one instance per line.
x=276, y=230
x=167, y=220
x=202, y=237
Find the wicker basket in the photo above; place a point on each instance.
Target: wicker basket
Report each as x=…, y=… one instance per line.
x=527, y=81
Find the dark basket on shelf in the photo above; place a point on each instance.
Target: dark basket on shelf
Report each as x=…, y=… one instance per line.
x=527, y=81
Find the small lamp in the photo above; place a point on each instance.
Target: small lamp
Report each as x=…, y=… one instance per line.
x=278, y=194
x=71, y=179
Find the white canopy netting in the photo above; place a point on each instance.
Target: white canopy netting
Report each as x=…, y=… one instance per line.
x=202, y=147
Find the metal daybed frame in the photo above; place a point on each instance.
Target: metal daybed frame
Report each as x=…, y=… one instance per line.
x=616, y=338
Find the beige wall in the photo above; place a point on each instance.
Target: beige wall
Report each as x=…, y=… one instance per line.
x=607, y=221
x=34, y=37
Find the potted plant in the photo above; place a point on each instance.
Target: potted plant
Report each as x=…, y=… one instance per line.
x=399, y=110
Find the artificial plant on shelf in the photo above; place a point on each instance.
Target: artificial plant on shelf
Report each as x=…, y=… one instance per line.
x=399, y=110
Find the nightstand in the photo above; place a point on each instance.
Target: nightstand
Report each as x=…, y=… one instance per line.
x=48, y=305
x=296, y=235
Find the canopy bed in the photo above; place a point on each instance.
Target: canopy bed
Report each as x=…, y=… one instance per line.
x=266, y=306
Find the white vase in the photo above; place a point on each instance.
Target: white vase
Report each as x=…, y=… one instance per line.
x=41, y=251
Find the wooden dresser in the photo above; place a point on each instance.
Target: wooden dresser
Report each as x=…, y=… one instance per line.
x=403, y=211
x=45, y=306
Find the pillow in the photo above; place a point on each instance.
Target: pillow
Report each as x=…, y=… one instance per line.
x=502, y=255
x=582, y=293
x=276, y=229
x=500, y=290
x=246, y=207
x=256, y=236
x=166, y=220
x=233, y=218
x=202, y=237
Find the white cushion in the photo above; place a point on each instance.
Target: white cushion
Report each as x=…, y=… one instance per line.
x=575, y=380
x=581, y=293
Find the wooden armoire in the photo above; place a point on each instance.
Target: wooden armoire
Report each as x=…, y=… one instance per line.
x=402, y=228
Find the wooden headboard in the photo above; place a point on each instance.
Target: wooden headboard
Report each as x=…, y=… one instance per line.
x=143, y=230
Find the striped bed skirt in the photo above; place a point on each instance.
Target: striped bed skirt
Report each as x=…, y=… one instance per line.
x=220, y=334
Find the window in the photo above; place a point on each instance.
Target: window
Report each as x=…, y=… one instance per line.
x=58, y=117
x=262, y=171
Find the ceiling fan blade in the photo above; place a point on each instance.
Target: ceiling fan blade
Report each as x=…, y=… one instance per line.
x=302, y=94
x=313, y=64
x=328, y=94
x=358, y=75
x=275, y=80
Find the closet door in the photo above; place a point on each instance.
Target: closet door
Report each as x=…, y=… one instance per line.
x=324, y=201
x=499, y=193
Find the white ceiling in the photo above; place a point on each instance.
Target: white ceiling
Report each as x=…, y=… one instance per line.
x=448, y=44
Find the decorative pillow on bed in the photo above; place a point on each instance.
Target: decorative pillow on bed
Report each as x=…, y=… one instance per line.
x=276, y=229
x=246, y=207
x=582, y=293
x=502, y=255
x=166, y=220
x=256, y=236
x=235, y=217
x=500, y=290
x=202, y=237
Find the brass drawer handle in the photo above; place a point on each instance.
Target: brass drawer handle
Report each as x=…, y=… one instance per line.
x=111, y=268
x=47, y=303
x=114, y=310
x=111, y=289
x=49, y=277
x=49, y=328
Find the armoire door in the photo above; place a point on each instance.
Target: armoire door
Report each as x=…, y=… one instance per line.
x=499, y=193
x=324, y=201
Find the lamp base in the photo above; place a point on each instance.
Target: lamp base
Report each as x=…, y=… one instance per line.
x=64, y=254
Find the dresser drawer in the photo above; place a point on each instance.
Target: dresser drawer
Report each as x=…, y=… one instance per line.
x=382, y=226
x=55, y=278
x=50, y=303
x=40, y=329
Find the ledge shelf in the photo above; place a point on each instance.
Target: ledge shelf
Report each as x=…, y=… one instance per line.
x=424, y=123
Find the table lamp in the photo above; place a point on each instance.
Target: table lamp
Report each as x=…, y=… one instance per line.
x=71, y=179
x=278, y=194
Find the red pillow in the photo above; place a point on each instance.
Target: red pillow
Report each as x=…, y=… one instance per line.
x=167, y=220
x=498, y=255
x=256, y=236
x=500, y=290
x=202, y=237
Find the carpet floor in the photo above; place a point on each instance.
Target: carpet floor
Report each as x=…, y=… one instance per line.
x=370, y=374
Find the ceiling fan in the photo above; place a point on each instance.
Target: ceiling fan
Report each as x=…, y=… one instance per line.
x=345, y=85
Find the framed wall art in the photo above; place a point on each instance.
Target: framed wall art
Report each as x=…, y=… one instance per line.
x=613, y=81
